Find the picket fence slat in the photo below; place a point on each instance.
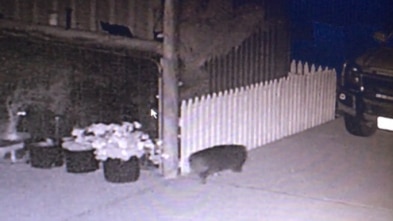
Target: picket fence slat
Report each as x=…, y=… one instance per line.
x=260, y=113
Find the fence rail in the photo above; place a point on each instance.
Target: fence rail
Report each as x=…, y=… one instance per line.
x=260, y=113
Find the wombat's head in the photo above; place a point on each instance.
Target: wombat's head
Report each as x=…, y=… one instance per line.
x=198, y=164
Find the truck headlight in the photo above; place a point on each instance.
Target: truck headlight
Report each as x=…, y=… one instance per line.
x=352, y=76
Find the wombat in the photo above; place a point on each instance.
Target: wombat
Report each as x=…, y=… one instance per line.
x=218, y=158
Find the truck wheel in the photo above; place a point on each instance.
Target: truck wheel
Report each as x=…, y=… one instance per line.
x=359, y=127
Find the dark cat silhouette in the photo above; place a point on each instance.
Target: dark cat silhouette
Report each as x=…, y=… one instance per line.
x=118, y=30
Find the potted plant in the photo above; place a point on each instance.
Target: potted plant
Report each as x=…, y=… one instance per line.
x=45, y=154
x=44, y=145
x=79, y=153
x=119, y=147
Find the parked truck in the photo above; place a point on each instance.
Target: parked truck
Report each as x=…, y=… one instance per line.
x=365, y=92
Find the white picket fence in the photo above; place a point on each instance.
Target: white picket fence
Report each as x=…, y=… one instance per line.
x=258, y=114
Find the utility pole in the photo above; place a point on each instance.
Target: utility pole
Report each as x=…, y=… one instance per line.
x=170, y=93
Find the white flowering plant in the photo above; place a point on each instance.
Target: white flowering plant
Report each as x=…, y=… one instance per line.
x=77, y=141
x=116, y=141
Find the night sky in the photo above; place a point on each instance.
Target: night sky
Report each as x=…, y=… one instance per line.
x=328, y=32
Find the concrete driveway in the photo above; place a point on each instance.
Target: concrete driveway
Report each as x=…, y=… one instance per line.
x=320, y=174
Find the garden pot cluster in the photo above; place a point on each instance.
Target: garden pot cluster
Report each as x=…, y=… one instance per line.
x=122, y=149
x=83, y=161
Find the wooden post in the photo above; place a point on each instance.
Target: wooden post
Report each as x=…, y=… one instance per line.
x=112, y=11
x=35, y=12
x=170, y=94
x=74, y=16
x=131, y=16
x=54, y=14
x=93, y=15
x=17, y=10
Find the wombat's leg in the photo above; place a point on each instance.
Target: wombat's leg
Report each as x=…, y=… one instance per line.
x=238, y=168
x=203, y=176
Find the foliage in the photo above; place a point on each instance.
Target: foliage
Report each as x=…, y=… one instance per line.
x=383, y=37
x=45, y=94
x=54, y=95
x=102, y=87
x=206, y=38
x=208, y=29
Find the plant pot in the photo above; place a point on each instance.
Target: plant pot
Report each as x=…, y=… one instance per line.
x=45, y=156
x=80, y=161
x=119, y=171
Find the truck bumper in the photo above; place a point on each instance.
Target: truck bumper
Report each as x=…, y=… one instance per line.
x=356, y=104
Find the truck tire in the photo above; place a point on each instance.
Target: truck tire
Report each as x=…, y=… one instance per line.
x=359, y=127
